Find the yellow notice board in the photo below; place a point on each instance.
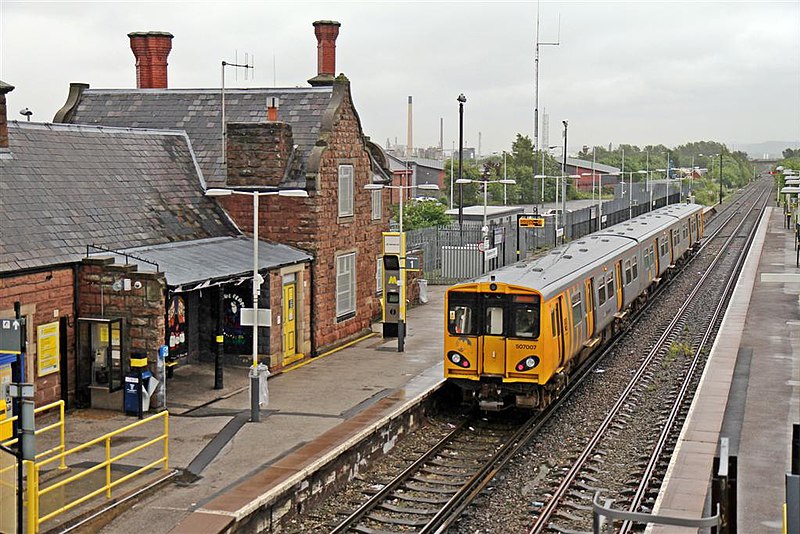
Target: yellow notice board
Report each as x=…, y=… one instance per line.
x=47, y=345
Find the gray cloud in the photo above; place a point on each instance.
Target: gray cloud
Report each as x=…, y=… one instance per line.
x=655, y=72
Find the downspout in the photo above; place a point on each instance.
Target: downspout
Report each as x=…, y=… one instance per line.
x=313, y=305
x=75, y=310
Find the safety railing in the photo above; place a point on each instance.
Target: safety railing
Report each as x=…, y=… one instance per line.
x=35, y=493
x=40, y=432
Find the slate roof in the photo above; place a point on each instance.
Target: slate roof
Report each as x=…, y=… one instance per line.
x=598, y=167
x=199, y=113
x=194, y=262
x=63, y=187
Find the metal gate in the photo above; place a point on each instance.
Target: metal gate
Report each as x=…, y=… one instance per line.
x=8, y=491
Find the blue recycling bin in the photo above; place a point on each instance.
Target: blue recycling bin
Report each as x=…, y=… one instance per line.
x=132, y=391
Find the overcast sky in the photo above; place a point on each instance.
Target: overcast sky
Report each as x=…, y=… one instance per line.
x=624, y=72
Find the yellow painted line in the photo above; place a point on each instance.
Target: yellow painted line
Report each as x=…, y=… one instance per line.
x=332, y=351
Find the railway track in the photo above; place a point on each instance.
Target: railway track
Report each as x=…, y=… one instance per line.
x=568, y=510
x=432, y=493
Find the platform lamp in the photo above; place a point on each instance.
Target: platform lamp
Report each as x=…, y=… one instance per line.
x=255, y=378
x=461, y=101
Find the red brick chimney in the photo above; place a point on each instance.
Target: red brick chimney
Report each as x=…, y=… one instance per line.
x=151, y=50
x=272, y=108
x=4, y=88
x=326, y=32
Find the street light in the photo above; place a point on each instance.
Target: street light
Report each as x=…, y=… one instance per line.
x=255, y=382
x=461, y=100
x=401, y=188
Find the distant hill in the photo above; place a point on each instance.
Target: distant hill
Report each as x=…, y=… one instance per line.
x=766, y=149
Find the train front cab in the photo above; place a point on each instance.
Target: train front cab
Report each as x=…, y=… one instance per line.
x=500, y=341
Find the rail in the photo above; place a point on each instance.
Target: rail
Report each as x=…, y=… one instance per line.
x=58, y=425
x=35, y=493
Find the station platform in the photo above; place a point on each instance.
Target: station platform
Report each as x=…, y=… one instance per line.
x=229, y=466
x=749, y=393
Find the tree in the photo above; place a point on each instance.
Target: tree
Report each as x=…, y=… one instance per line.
x=424, y=213
x=791, y=153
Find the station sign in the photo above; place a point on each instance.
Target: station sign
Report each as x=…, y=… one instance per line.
x=531, y=222
x=11, y=336
x=490, y=253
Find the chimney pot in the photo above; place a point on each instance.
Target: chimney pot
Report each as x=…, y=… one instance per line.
x=272, y=108
x=326, y=31
x=151, y=50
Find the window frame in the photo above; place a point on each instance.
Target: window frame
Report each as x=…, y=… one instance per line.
x=346, y=190
x=342, y=313
x=377, y=205
x=577, y=302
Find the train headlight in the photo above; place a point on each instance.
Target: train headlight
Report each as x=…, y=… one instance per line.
x=527, y=364
x=457, y=359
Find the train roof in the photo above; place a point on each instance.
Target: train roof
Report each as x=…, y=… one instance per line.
x=551, y=273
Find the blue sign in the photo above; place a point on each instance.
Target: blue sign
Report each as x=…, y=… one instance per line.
x=163, y=351
x=11, y=336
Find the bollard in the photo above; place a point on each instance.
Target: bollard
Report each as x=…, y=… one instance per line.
x=401, y=335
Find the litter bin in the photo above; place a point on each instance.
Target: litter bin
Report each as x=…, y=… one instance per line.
x=132, y=388
x=423, y=290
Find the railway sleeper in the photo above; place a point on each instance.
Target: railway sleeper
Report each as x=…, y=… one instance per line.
x=441, y=482
x=411, y=486
x=420, y=500
x=386, y=520
x=406, y=510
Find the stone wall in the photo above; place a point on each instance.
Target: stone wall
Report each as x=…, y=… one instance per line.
x=45, y=297
x=143, y=307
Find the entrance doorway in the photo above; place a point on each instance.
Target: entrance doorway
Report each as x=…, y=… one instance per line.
x=290, y=354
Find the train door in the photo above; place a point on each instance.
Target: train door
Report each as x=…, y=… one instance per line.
x=558, y=328
x=619, y=288
x=654, y=246
x=579, y=328
x=494, y=340
x=589, y=292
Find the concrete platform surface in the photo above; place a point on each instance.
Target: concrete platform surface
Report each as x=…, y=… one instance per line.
x=368, y=377
x=749, y=393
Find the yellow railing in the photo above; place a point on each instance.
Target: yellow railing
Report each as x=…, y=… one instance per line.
x=39, y=431
x=35, y=493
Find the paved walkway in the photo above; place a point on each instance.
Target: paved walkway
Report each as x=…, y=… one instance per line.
x=305, y=402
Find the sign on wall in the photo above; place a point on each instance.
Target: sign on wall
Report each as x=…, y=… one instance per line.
x=48, y=356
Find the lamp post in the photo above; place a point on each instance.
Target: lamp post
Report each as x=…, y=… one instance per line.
x=402, y=189
x=720, y=178
x=564, y=172
x=630, y=189
x=461, y=100
x=255, y=382
x=505, y=177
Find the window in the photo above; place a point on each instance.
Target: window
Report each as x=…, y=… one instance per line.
x=601, y=291
x=345, y=286
x=553, y=322
x=610, y=286
x=664, y=246
x=627, y=272
x=526, y=316
x=345, y=190
x=461, y=313
x=635, y=267
x=494, y=321
x=577, y=309
x=379, y=276
x=377, y=204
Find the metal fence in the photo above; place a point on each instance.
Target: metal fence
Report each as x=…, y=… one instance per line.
x=451, y=254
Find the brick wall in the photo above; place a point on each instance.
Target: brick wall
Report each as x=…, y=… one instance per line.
x=313, y=224
x=44, y=297
x=142, y=308
x=257, y=153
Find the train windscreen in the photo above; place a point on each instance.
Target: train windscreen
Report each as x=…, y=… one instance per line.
x=525, y=311
x=462, y=315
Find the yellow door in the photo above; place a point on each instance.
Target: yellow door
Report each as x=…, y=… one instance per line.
x=289, y=325
x=494, y=342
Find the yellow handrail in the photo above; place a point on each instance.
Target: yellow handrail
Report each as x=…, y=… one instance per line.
x=59, y=424
x=35, y=493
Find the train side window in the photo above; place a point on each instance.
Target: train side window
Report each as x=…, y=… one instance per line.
x=627, y=272
x=610, y=286
x=601, y=291
x=635, y=267
x=553, y=321
x=577, y=309
x=460, y=320
x=494, y=321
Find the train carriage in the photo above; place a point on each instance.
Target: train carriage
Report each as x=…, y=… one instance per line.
x=514, y=336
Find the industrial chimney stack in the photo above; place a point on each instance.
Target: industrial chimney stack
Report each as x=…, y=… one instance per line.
x=410, y=146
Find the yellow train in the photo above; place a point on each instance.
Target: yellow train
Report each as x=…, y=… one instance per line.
x=513, y=337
